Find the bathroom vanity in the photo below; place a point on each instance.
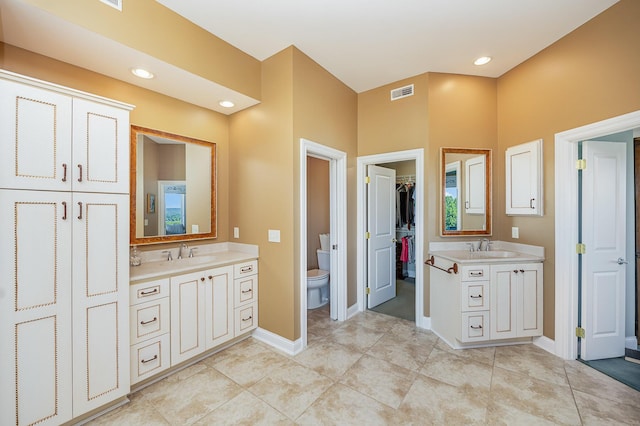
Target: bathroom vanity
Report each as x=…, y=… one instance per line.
x=183, y=309
x=483, y=298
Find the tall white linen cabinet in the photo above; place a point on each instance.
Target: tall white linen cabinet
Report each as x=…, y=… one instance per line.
x=64, y=268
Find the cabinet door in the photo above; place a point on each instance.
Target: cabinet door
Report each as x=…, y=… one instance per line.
x=100, y=299
x=35, y=130
x=502, y=320
x=219, y=306
x=35, y=308
x=187, y=316
x=524, y=179
x=100, y=148
x=529, y=309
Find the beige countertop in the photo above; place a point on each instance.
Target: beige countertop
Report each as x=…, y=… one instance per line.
x=218, y=255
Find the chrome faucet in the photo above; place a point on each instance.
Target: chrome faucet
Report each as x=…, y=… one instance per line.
x=183, y=246
x=486, y=244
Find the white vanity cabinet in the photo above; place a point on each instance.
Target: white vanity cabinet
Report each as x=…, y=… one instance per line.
x=201, y=312
x=524, y=179
x=64, y=183
x=516, y=300
x=150, y=321
x=486, y=303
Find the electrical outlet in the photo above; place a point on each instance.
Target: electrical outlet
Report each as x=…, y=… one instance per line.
x=274, y=235
x=515, y=232
x=236, y=232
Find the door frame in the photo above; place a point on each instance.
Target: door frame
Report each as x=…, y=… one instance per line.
x=566, y=229
x=337, y=229
x=416, y=155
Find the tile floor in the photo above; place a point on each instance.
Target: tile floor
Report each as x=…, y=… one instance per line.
x=379, y=370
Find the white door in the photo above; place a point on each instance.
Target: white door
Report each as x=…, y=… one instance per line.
x=603, y=233
x=381, y=249
x=475, y=185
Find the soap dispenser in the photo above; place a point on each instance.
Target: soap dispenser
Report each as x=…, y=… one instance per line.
x=134, y=259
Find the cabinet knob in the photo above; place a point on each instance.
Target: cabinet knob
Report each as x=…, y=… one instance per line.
x=515, y=271
x=210, y=277
x=202, y=279
x=522, y=270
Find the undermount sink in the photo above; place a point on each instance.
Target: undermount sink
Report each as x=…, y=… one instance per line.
x=197, y=260
x=496, y=253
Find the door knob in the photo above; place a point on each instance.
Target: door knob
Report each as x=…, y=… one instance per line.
x=621, y=261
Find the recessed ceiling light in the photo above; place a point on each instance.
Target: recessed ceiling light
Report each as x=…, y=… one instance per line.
x=227, y=104
x=482, y=60
x=142, y=73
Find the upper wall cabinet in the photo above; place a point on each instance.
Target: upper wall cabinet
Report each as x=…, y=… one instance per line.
x=61, y=140
x=524, y=179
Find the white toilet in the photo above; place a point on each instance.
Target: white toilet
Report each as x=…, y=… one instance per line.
x=318, y=282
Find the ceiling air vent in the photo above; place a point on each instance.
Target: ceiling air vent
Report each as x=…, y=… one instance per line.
x=402, y=92
x=116, y=4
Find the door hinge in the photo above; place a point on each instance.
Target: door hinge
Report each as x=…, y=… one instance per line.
x=581, y=248
x=367, y=179
x=581, y=164
x=367, y=235
x=580, y=332
x=368, y=290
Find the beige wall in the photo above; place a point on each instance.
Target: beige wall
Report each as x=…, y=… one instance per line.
x=149, y=27
x=317, y=206
x=446, y=110
x=262, y=183
x=152, y=110
x=590, y=75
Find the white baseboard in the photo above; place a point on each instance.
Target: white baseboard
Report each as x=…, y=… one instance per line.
x=631, y=342
x=285, y=345
x=545, y=343
x=352, y=310
x=424, y=322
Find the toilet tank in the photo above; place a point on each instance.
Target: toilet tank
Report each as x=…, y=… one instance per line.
x=323, y=260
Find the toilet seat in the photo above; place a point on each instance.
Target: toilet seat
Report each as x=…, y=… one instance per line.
x=317, y=274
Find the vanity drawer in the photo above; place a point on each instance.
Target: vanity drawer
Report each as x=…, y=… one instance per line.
x=474, y=273
x=246, y=318
x=246, y=290
x=245, y=268
x=150, y=290
x=474, y=296
x=149, y=319
x=149, y=358
x=475, y=326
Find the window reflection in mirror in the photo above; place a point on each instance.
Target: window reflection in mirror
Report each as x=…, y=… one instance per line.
x=175, y=177
x=466, y=191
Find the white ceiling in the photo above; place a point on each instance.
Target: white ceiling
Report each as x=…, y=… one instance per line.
x=369, y=43
x=364, y=43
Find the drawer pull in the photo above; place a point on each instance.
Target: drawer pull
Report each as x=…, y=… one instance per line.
x=246, y=291
x=476, y=273
x=64, y=215
x=149, y=322
x=144, y=361
x=475, y=297
x=248, y=318
x=149, y=293
x=479, y=327
x=246, y=269
x=64, y=172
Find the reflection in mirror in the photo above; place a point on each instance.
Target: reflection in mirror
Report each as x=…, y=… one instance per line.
x=172, y=187
x=466, y=191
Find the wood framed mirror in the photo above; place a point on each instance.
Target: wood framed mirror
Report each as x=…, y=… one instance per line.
x=173, y=187
x=465, y=191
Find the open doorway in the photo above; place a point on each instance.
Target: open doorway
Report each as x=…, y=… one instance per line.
x=415, y=159
x=566, y=232
x=400, y=300
x=323, y=163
